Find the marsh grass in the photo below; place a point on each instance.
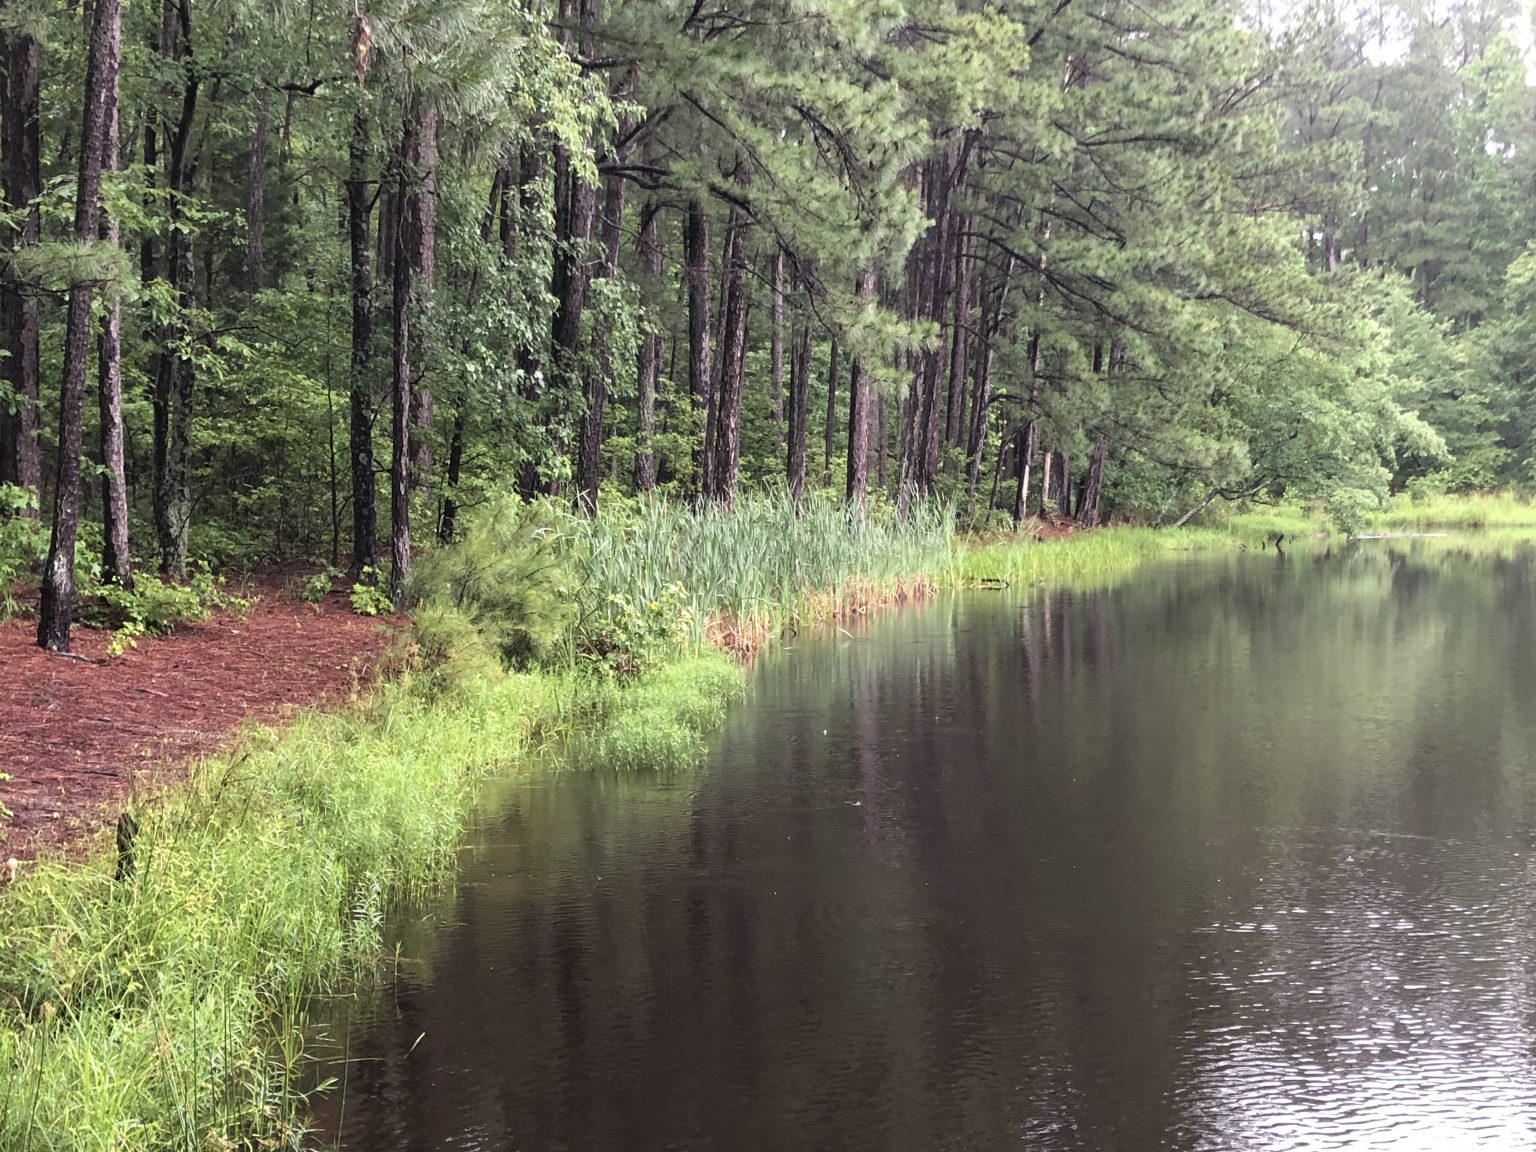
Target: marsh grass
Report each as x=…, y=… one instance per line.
x=1090, y=559
x=1498, y=511
x=166, y=1010
x=743, y=576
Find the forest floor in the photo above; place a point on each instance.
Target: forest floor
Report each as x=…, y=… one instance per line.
x=80, y=733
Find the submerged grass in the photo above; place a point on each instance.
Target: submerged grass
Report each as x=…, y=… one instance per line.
x=165, y=1009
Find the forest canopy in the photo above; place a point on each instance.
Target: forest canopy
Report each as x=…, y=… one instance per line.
x=312, y=280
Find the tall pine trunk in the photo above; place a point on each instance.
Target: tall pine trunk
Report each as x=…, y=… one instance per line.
x=1088, y=504
x=421, y=236
x=58, y=595
x=829, y=431
x=860, y=401
x=365, y=515
x=20, y=460
x=651, y=352
x=700, y=374
x=174, y=376
x=589, y=462
x=733, y=352
x=776, y=346
x=115, y=562
x=799, y=411
x=256, y=201
x=960, y=340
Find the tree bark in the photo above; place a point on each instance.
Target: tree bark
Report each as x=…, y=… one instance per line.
x=1063, y=484
x=776, y=346
x=1025, y=457
x=799, y=412
x=575, y=213
x=400, y=366
x=116, y=564
x=589, y=465
x=1093, y=486
x=421, y=235
x=651, y=352
x=960, y=341
x=700, y=374
x=256, y=200
x=58, y=594
x=829, y=433
x=361, y=414
x=449, y=523
x=860, y=397
x=175, y=378
x=20, y=460
x=733, y=351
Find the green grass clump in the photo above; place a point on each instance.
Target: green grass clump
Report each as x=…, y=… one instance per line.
x=660, y=720
x=1257, y=525
x=166, y=1009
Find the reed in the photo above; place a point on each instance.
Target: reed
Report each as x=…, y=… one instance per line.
x=742, y=576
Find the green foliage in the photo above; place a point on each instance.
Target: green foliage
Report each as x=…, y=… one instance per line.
x=315, y=588
x=156, y=607
x=755, y=566
x=367, y=597
x=627, y=638
x=23, y=544
x=660, y=719
x=507, y=578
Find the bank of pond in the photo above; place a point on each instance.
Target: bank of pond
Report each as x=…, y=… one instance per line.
x=157, y=992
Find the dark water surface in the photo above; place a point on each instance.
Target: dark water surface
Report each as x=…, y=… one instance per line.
x=1238, y=855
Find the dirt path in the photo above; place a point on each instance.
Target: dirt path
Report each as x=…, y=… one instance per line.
x=76, y=734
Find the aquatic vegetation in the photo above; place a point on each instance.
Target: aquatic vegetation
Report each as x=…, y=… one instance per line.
x=1090, y=558
x=1494, y=511
x=741, y=576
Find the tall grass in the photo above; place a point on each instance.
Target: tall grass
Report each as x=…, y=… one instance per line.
x=1091, y=558
x=1498, y=511
x=739, y=576
x=165, y=1010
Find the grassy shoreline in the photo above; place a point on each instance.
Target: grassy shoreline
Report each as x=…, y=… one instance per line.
x=165, y=1009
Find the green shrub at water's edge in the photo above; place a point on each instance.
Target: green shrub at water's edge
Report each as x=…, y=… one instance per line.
x=508, y=577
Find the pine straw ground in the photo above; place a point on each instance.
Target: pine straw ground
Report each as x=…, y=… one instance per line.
x=78, y=736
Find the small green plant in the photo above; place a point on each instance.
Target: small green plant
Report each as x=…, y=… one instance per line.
x=124, y=637
x=156, y=607
x=368, y=598
x=314, y=589
x=23, y=543
x=630, y=637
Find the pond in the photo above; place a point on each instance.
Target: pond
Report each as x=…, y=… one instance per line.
x=1237, y=854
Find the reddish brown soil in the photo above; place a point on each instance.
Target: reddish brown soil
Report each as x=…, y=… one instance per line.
x=76, y=735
